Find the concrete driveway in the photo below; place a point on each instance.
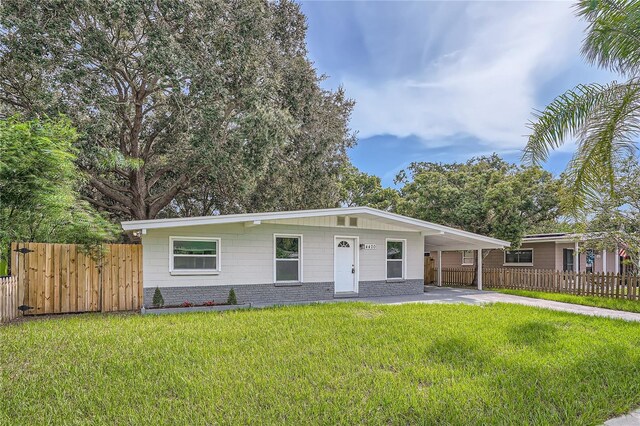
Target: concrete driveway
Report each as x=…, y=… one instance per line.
x=475, y=297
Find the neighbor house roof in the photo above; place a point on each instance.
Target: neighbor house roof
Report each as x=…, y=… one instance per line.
x=438, y=236
x=558, y=237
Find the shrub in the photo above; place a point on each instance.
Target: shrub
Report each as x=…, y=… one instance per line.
x=186, y=304
x=231, y=300
x=209, y=303
x=158, y=300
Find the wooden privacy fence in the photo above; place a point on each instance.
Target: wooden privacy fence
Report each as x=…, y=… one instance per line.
x=578, y=283
x=64, y=278
x=457, y=277
x=8, y=298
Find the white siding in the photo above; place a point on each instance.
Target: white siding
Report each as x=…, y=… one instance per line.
x=246, y=253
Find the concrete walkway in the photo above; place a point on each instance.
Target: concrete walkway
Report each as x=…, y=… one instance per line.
x=631, y=419
x=474, y=297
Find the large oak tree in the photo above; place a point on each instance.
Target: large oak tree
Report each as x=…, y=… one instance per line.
x=182, y=106
x=485, y=195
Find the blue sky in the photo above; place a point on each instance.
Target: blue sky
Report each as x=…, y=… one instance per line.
x=446, y=81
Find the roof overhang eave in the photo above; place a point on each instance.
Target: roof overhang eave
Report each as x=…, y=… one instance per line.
x=419, y=225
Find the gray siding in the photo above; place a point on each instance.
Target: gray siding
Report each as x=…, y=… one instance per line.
x=547, y=255
x=544, y=257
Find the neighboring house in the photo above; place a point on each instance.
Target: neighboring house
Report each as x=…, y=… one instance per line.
x=292, y=256
x=559, y=251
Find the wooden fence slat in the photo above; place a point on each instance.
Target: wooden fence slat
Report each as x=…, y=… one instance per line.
x=115, y=266
x=128, y=295
x=4, y=302
x=65, y=291
x=56, y=277
x=80, y=280
x=107, y=279
x=95, y=283
x=134, y=278
x=9, y=298
x=48, y=282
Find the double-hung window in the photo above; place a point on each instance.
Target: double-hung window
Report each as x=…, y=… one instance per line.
x=194, y=255
x=467, y=257
x=520, y=257
x=287, y=258
x=395, y=259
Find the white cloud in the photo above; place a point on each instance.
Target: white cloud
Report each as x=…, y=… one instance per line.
x=479, y=74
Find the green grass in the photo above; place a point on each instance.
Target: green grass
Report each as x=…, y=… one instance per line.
x=343, y=363
x=600, y=302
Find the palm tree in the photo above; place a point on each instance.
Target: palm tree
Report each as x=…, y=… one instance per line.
x=603, y=119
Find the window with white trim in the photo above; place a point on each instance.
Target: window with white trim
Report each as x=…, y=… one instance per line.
x=520, y=257
x=191, y=255
x=287, y=258
x=468, y=257
x=395, y=259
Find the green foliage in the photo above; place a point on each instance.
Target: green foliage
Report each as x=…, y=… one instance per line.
x=232, y=300
x=158, y=300
x=39, y=199
x=351, y=363
x=485, y=195
x=361, y=189
x=613, y=219
x=183, y=108
x=603, y=118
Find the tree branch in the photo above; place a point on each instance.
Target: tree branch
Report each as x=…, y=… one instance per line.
x=113, y=207
x=110, y=192
x=161, y=201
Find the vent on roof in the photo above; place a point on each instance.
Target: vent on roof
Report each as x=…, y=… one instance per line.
x=347, y=221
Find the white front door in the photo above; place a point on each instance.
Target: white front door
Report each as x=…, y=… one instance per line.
x=345, y=265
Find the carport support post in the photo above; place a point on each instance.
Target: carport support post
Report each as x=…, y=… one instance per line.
x=479, y=269
x=439, y=268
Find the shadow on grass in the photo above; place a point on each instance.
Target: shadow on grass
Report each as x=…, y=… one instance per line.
x=533, y=334
x=458, y=351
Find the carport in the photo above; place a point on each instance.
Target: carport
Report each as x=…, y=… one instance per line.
x=458, y=240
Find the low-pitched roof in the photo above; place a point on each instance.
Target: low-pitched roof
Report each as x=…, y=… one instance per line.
x=558, y=237
x=440, y=235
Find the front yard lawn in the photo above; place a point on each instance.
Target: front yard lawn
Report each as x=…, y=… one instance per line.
x=599, y=302
x=343, y=363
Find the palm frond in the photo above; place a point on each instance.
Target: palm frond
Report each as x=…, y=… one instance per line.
x=613, y=34
x=605, y=141
x=566, y=116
